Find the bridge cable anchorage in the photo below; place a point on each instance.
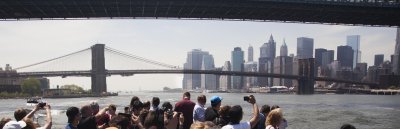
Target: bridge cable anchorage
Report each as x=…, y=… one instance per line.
x=42, y=62
x=122, y=53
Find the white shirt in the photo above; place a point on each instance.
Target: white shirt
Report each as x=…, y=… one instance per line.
x=269, y=127
x=244, y=125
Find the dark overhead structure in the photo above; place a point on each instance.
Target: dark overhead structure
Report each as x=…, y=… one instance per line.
x=348, y=12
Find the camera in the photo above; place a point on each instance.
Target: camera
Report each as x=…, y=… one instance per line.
x=246, y=98
x=168, y=111
x=42, y=104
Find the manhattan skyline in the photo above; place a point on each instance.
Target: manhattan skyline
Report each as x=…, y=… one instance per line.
x=168, y=41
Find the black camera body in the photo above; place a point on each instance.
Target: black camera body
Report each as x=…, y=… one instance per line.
x=246, y=98
x=42, y=104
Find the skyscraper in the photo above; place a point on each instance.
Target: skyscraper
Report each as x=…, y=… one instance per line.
x=194, y=61
x=305, y=48
x=250, y=54
x=208, y=81
x=225, y=80
x=237, y=60
x=354, y=42
x=318, y=56
x=378, y=59
x=266, y=61
x=284, y=49
x=396, y=56
x=328, y=57
x=283, y=64
x=345, y=56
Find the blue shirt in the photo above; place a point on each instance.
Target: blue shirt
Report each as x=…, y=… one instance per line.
x=261, y=122
x=198, y=113
x=70, y=126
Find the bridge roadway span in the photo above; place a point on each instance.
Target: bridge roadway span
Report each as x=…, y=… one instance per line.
x=380, y=13
x=88, y=73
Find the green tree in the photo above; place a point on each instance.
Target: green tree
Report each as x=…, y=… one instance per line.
x=73, y=88
x=31, y=86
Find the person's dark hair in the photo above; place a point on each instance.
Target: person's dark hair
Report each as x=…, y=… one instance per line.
x=265, y=109
x=156, y=101
x=224, y=111
x=151, y=119
x=112, y=107
x=29, y=124
x=201, y=98
x=347, y=126
x=186, y=94
x=274, y=107
x=4, y=121
x=137, y=105
x=134, y=98
x=166, y=106
x=71, y=113
x=235, y=114
x=19, y=114
x=146, y=105
x=120, y=122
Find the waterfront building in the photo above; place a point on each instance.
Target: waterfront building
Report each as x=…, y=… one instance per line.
x=283, y=64
x=378, y=59
x=327, y=57
x=266, y=61
x=250, y=53
x=208, y=81
x=225, y=80
x=354, y=42
x=305, y=48
x=396, y=56
x=237, y=60
x=345, y=56
x=194, y=61
x=318, y=56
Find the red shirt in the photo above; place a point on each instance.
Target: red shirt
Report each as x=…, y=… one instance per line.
x=186, y=107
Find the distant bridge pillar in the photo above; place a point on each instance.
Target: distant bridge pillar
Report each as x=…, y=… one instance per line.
x=99, y=84
x=307, y=76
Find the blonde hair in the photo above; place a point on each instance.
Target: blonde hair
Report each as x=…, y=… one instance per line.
x=203, y=125
x=274, y=118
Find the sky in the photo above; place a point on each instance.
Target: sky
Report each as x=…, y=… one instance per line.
x=168, y=41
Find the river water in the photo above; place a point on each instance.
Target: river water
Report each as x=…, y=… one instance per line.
x=301, y=111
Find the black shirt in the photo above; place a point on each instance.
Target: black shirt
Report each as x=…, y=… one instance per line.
x=211, y=114
x=87, y=123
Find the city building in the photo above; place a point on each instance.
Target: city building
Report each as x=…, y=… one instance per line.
x=378, y=59
x=266, y=61
x=194, y=61
x=396, y=55
x=237, y=60
x=225, y=80
x=10, y=85
x=283, y=64
x=345, y=56
x=305, y=48
x=354, y=42
x=250, y=53
x=328, y=57
x=361, y=69
x=208, y=81
x=318, y=56
x=250, y=67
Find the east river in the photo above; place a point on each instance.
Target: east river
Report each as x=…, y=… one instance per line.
x=301, y=111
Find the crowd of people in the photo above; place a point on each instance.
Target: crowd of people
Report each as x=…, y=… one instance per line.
x=150, y=115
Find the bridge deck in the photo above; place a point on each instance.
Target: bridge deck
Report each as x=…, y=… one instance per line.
x=306, y=11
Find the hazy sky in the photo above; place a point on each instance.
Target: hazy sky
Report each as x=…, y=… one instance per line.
x=168, y=41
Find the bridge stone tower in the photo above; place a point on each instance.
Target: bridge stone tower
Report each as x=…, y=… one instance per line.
x=99, y=84
x=307, y=79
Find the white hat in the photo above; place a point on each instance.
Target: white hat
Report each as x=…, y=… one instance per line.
x=14, y=125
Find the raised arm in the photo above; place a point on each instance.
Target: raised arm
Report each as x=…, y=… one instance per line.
x=101, y=113
x=254, y=119
x=49, y=121
x=30, y=114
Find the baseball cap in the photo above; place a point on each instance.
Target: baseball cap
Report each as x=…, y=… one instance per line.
x=215, y=100
x=14, y=125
